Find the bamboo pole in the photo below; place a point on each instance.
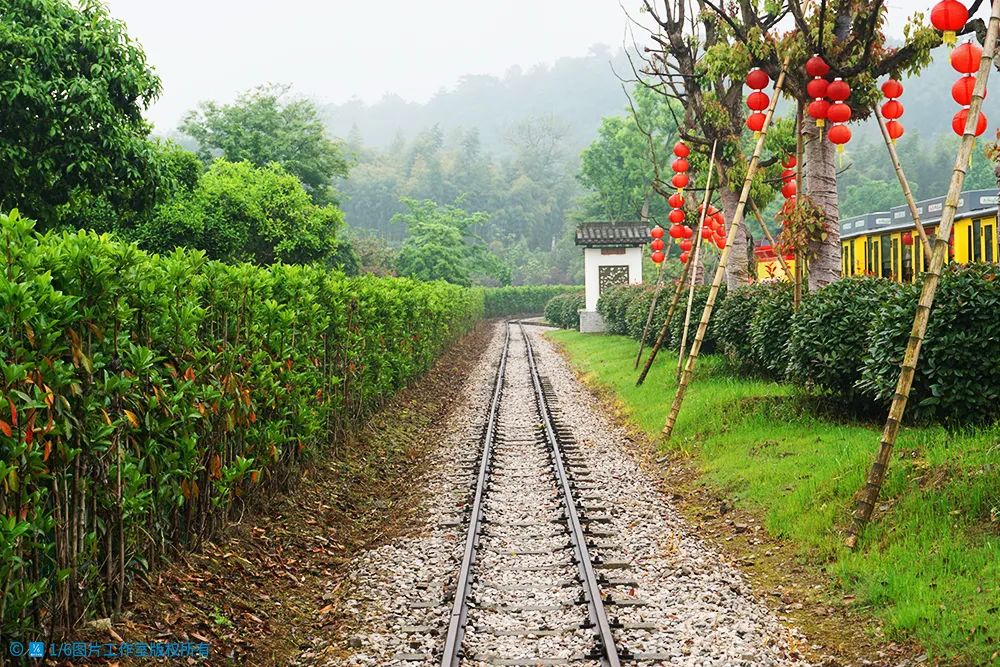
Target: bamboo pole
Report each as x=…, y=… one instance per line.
x=799, y=171
x=770, y=239
x=652, y=309
x=666, y=325
x=873, y=486
x=720, y=272
x=694, y=261
x=905, y=184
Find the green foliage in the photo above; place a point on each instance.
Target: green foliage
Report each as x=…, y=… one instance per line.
x=73, y=86
x=563, y=310
x=770, y=329
x=958, y=378
x=612, y=306
x=239, y=212
x=830, y=333
x=524, y=299
x=732, y=327
x=147, y=396
x=262, y=129
x=625, y=308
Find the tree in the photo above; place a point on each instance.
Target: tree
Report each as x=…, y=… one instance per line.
x=73, y=86
x=439, y=246
x=261, y=128
x=240, y=212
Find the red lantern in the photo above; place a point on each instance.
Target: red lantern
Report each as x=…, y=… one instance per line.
x=684, y=257
x=757, y=79
x=892, y=110
x=657, y=257
x=817, y=110
x=680, y=181
x=676, y=232
x=892, y=89
x=680, y=165
x=838, y=113
x=965, y=58
x=707, y=233
x=755, y=121
x=788, y=175
x=758, y=101
x=720, y=221
x=656, y=232
x=958, y=122
x=788, y=189
x=681, y=149
x=895, y=129
x=685, y=244
x=961, y=92
x=688, y=232
x=720, y=242
x=816, y=66
x=656, y=244
x=907, y=238
x=676, y=200
x=949, y=16
x=817, y=88
x=789, y=162
x=676, y=217
x=840, y=135
x=838, y=90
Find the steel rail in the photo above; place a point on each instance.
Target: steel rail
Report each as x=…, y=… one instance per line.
x=459, y=611
x=592, y=591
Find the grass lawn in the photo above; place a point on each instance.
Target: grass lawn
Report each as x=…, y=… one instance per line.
x=929, y=564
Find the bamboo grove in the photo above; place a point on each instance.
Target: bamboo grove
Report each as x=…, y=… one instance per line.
x=146, y=398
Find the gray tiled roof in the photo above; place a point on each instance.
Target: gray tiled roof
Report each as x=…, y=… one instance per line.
x=612, y=234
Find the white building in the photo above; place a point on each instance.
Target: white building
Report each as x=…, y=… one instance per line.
x=612, y=255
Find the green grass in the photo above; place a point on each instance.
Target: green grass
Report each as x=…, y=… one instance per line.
x=929, y=565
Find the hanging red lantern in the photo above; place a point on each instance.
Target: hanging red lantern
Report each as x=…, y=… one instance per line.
x=757, y=101
x=788, y=189
x=949, y=16
x=707, y=233
x=684, y=257
x=895, y=129
x=681, y=149
x=788, y=175
x=685, y=244
x=789, y=162
x=840, y=135
x=755, y=121
x=656, y=244
x=757, y=79
x=676, y=216
x=676, y=200
x=817, y=88
x=817, y=110
x=680, y=181
x=958, y=122
x=680, y=165
x=676, y=232
x=838, y=113
x=892, y=89
x=961, y=91
x=657, y=257
x=838, y=90
x=907, y=238
x=966, y=58
x=720, y=242
x=656, y=232
x=816, y=66
x=688, y=232
x=892, y=110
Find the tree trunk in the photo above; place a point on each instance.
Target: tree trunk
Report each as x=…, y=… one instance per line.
x=996, y=170
x=738, y=269
x=821, y=186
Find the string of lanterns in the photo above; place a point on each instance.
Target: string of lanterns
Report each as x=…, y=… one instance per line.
x=892, y=110
x=679, y=231
x=965, y=60
x=757, y=101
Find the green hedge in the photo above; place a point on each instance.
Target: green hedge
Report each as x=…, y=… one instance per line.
x=626, y=307
x=523, y=300
x=770, y=328
x=145, y=397
x=563, y=311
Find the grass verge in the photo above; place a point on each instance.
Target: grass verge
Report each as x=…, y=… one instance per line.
x=928, y=566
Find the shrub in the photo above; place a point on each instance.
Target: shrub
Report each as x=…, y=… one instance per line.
x=145, y=397
x=769, y=329
x=958, y=379
x=524, y=299
x=563, y=310
x=612, y=306
x=831, y=331
x=709, y=345
x=626, y=307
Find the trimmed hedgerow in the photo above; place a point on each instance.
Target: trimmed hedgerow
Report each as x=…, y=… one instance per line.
x=144, y=397
x=769, y=329
x=625, y=308
x=563, y=310
x=831, y=332
x=958, y=379
x=732, y=323
x=612, y=306
x=709, y=344
x=522, y=300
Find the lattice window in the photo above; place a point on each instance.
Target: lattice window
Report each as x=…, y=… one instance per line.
x=611, y=276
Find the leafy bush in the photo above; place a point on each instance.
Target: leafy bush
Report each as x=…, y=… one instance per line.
x=709, y=344
x=769, y=329
x=831, y=332
x=626, y=307
x=612, y=306
x=523, y=300
x=146, y=396
x=563, y=310
x=958, y=379
x=732, y=325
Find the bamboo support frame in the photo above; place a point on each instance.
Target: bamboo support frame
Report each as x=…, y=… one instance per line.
x=905, y=184
x=799, y=171
x=873, y=486
x=770, y=239
x=666, y=325
x=720, y=272
x=694, y=261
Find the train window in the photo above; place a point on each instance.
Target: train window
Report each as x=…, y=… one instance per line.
x=888, y=265
x=988, y=242
x=907, y=263
x=976, y=254
x=853, y=265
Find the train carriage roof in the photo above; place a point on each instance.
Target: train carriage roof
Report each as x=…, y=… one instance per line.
x=970, y=203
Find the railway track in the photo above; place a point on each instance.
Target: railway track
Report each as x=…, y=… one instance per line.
x=528, y=590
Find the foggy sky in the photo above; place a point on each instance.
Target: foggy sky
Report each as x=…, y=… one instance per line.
x=333, y=50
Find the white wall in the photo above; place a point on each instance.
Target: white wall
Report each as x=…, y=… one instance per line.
x=593, y=260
